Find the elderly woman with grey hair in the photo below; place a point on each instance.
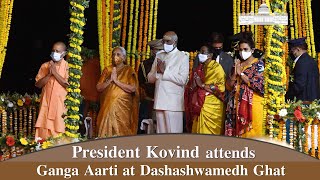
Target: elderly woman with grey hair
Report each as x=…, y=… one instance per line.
x=119, y=101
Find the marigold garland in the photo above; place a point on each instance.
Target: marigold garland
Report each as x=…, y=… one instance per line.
x=235, y=17
x=307, y=27
x=155, y=19
x=135, y=34
x=116, y=24
x=124, y=29
x=299, y=23
x=73, y=97
x=313, y=48
x=150, y=26
x=305, y=145
x=140, y=32
x=291, y=16
x=5, y=24
x=106, y=36
x=130, y=32
x=296, y=34
x=313, y=149
x=238, y=14
x=145, y=31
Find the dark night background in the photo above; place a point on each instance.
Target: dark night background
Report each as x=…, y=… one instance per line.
x=37, y=25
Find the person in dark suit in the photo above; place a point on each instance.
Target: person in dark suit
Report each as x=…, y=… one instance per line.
x=216, y=44
x=147, y=89
x=305, y=83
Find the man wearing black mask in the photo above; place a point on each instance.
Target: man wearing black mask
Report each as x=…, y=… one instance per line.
x=216, y=44
x=305, y=83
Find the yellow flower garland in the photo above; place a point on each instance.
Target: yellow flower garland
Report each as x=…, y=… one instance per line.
x=73, y=98
x=313, y=48
x=150, y=26
x=5, y=24
x=296, y=34
x=291, y=16
x=155, y=18
x=238, y=13
x=100, y=39
x=106, y=32
x=130, y=32
x=235, y=17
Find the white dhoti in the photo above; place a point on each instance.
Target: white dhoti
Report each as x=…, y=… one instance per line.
x=169, y=121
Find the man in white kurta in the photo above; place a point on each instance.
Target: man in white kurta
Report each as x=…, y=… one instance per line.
x=169, y=72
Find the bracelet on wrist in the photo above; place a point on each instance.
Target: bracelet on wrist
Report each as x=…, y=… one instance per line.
x=212, y=87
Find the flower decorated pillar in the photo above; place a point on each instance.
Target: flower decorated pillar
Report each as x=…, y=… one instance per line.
x=74, y=98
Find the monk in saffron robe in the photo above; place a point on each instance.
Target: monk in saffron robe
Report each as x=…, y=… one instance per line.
x=53, y=79
x=119, y=101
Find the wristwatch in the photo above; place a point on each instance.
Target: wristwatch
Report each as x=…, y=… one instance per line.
x=242, y=74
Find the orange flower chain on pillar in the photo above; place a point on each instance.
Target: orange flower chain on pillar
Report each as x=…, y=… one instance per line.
x=124, y=29
x=299, y=19
x=303, y=18
x=313, y=149
x=135, y=34
x=140, y=32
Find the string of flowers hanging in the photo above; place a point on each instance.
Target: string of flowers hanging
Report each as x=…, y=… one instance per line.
x=73, y=99
x=100, y=34
x=135, y=34
x=130, y=32
x=235, y=17
x=155, y=19
x=140, y=33
x=124, y=18
x=5, y=24
x=116, y=24
x=145, y=31
x=107, y=33
x=150, y=26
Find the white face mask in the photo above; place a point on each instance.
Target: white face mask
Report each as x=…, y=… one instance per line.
x=168, y=48
x=56, y=56
x=245, y=55
x=203, y=57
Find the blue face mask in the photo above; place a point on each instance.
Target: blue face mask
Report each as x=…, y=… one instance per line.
x=56, y=56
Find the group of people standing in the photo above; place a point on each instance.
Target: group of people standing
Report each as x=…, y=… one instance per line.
x=223, y=95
